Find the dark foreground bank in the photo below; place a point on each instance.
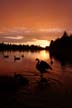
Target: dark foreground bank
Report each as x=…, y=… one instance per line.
x=19, y=92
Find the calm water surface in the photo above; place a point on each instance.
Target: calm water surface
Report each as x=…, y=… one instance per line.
x=26, y=66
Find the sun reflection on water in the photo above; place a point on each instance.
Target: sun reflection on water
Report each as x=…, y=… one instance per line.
x=44, y=55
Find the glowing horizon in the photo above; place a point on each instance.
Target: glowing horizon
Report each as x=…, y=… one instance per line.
x=22, y=21
x=39, y=37
x=41, y=43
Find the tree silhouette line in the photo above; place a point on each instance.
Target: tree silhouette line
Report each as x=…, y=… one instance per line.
x=61, y=48
x=14, y=47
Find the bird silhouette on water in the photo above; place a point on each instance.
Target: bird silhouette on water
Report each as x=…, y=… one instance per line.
x=16, y=58
x=42, y=67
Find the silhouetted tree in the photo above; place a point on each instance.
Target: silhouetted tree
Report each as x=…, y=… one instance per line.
x=61, y=48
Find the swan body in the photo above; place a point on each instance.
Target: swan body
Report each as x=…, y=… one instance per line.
x=16, y=58
x=42, y=66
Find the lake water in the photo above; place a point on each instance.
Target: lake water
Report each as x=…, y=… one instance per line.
x=26, y=66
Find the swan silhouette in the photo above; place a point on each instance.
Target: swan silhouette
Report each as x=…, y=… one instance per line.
x=16, y=58
x=6, y=56
x=42, y=66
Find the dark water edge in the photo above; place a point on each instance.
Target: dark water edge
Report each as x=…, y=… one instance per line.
x=20, y=93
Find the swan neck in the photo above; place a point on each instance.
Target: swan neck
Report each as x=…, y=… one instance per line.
x=38, y=61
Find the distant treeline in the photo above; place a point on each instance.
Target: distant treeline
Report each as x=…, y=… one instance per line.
x=14, y=47
x=61, y=48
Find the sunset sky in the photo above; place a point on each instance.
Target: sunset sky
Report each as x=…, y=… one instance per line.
x=34, y=21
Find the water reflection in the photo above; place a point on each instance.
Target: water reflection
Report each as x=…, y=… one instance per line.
x=26, y=66
x=44, y=55
x=25, y=61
